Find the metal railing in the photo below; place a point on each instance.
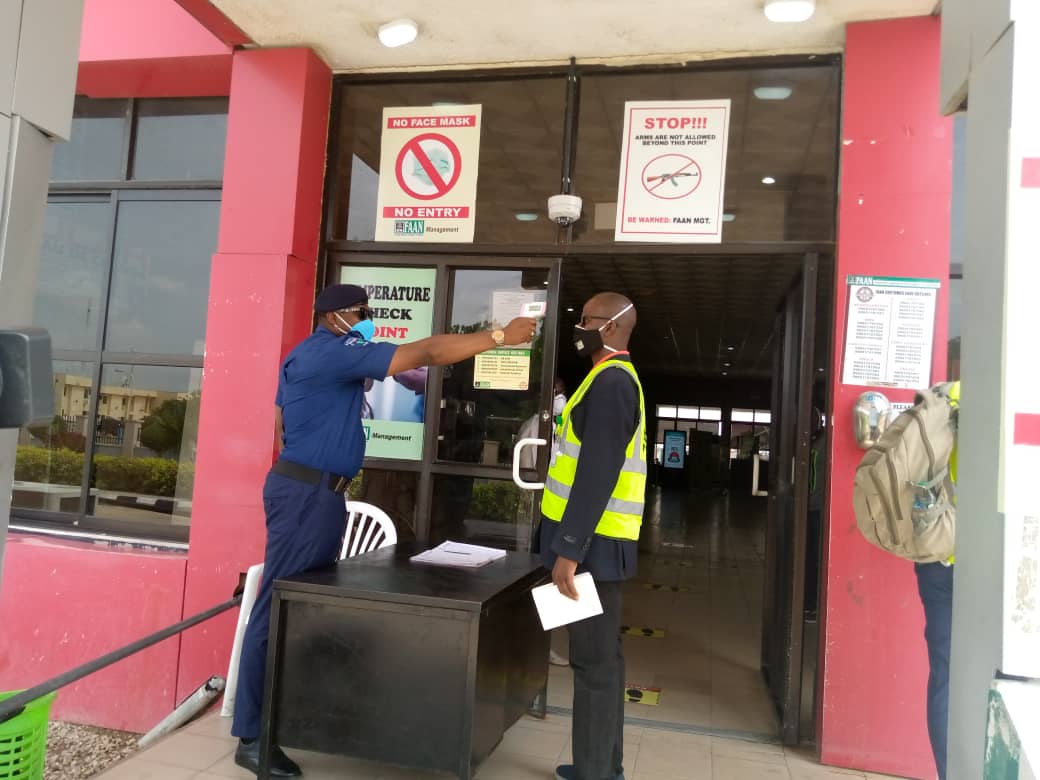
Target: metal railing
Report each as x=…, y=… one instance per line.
x=13, y=706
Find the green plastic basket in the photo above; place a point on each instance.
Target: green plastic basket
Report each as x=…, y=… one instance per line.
x=23, y=740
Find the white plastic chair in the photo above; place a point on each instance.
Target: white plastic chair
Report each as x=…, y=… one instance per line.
x=249, y=593
x=368, y=528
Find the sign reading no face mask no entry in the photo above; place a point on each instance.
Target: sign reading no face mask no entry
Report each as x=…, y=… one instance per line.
x=428, y=174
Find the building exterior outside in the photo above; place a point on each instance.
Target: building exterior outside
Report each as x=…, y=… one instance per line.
x=210, y=186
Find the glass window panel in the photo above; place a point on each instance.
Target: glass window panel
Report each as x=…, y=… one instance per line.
x=689, y=413
x=793, y=140
x=742, y=415
x=492, y=512
x=482, y=425
x=144, y=444
x=180, y=140
x=48, y=470
x=521, y=142
x=710, y=413
x=763, y=416
x=666, y=412
x=73, y=258
x=94, y=151
x=160, y=279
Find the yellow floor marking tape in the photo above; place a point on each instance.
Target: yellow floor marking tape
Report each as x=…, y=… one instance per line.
x=669, y=588
x=652, y=633
x=637, y=694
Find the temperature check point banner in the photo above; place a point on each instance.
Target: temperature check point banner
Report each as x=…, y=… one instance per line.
x=673, y=171
x=428, y=174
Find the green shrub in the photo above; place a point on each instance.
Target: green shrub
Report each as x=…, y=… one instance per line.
x=148, y=476
x=495, y=501
x=56, y=467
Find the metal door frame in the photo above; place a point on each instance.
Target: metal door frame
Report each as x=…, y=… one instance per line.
x=786, y=527
x=429, y=465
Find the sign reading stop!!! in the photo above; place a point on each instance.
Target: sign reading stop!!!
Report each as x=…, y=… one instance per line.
x=428, y=174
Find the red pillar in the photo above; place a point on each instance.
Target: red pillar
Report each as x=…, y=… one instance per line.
x=894, y=220
x=261, y=290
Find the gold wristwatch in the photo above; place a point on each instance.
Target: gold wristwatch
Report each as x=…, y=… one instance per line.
x=499, y=337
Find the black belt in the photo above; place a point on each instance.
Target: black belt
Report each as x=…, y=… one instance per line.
x=287, y=468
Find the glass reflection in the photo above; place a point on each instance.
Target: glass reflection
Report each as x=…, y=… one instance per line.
x=94, y=151
x=69, y=282
x=48, y=470
x=483, y=511
x=144, y=443
x=481, y=424
x=180, y=140
x=160, y=278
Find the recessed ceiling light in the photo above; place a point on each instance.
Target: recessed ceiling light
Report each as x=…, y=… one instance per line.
x=774, y=92
x=398, y=33
x=570, y=308
x=727, y=365
x=728, y=217
x=730, y=349
x=789, y=10
x=768, y=180
x=525, y=216
x=725, y=373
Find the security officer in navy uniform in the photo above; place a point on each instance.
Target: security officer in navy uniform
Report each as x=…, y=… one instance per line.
x=322, y=444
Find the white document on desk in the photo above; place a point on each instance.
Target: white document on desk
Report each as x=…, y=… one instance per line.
x=458, y=554
x=556, y=610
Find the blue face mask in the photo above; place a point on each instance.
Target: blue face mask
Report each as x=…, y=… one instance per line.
x=366, y=329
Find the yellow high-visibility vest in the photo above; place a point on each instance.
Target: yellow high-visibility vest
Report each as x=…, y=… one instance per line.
x=623, y=514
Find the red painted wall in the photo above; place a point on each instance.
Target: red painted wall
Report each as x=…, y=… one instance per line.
x=64, y=603
x=149, y=48
x=894, y=220
x=261, y=292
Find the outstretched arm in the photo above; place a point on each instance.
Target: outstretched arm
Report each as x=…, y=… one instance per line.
x=452, y=348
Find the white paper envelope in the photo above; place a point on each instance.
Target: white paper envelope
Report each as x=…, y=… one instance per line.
x=556, y=610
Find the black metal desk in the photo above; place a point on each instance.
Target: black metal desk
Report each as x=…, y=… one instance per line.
x=409, y=664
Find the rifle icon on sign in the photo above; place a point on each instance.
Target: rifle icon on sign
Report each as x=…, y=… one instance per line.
x=669, y=177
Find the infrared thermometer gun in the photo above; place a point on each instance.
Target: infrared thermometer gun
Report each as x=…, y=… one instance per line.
x=535, y=309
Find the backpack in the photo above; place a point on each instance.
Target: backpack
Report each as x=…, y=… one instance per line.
x=903, y=496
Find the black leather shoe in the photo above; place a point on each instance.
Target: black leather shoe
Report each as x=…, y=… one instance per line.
x=248, y=757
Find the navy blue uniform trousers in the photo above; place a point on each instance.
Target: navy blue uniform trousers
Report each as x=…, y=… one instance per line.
x=935, y=584
x=304, y=531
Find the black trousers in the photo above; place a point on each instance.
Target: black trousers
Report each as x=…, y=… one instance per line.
x=935, y=584
x=599, y=689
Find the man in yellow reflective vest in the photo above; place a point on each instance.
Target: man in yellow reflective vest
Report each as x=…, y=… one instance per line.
x=592, y=508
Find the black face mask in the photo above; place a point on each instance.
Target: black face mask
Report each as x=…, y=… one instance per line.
x=589, y=341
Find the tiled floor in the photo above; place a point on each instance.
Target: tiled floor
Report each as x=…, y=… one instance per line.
x=530, y=751
x=714, y=721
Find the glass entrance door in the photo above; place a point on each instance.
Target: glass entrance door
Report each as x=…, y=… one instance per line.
x=440, y=441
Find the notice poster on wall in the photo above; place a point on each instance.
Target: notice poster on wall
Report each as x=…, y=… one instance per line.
x=674, y=456
x=428, y=174
x=673, y=171
x=889, y=332
x=393, y=411
x=506, y=368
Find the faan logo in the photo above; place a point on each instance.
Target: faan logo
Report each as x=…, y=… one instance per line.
x=409, y=227
x=368, y=432
x=864, y=295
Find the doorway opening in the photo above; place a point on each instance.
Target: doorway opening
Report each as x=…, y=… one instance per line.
x=721, y=620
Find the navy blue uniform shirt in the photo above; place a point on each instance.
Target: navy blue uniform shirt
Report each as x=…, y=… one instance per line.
x=604, y=421
x=320, y=389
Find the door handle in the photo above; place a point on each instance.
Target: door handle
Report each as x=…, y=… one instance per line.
x=516, y=464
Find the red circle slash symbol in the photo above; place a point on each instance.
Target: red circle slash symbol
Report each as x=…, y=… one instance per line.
x=428, y=166
x=680, y=173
